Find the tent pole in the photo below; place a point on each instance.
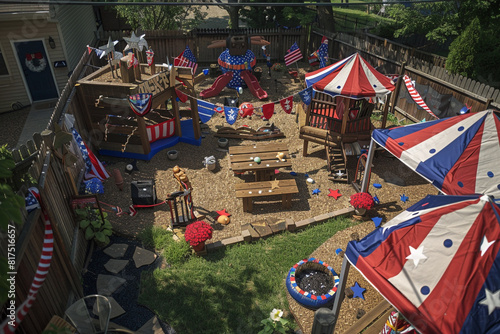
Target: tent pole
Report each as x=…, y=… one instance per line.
x=366, y=179
x=339, y=295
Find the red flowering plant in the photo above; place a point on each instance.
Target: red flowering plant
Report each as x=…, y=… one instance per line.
x=362, y=201
x=197, y=233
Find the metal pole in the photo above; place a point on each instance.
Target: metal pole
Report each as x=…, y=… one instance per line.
x=368, y=167
x=339, y=295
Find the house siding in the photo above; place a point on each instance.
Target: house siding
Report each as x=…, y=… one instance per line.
x=12, y=88
x=77, y=26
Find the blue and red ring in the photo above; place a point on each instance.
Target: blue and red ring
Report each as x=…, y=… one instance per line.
x=305, y=298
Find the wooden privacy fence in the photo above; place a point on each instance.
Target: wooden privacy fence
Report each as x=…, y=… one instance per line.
x=171, y=43
x=57, y=186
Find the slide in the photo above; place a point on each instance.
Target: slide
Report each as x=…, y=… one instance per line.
x=218, y=85
x=253, y=85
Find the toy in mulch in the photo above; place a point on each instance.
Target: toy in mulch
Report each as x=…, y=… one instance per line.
x=358, y=291
x=236, y=63
x=377, y=185
x=340, y=174
x=404, y=198
x=223, y=213
x=310, y=180
x=338, y=250
x=316, y=191
x=334, y=193
x=223, y=219
x=281, y=156
x=93, y=186
x=129, y=168
x=257, y=160
x=377, y=221
x=114, y=208
x=246, y=109
x=210, y=162
x=118, y=178
x=293, y=173
x=376, y=199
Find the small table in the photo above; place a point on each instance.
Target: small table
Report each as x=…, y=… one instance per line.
x=241, y=159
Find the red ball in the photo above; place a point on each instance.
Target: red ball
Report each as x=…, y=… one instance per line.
x=246, y=109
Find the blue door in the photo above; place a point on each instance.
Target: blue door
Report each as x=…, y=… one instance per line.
x=36, y=70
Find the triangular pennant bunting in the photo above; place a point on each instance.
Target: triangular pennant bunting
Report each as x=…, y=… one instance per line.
x=205, y=110
x=306, y=95
x=268, y=110
x=231, y=114
x=287, y=104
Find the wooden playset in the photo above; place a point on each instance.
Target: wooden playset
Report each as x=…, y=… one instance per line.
x=339, y=127
x=117, y=131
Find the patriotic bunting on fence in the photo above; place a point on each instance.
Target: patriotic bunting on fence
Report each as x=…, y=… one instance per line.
x=287, y=104
x=231, y=114
x=293, y=54
x=94, y=167
x=141, y=103
x=306, y=95
x=205, y=110
x=416, y=96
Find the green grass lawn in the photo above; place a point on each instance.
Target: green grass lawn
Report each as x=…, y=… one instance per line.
x=231, y=290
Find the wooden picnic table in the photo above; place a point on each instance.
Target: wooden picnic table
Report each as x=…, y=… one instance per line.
x=241, y=159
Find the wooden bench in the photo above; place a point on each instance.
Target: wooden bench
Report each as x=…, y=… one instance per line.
x=249, y=190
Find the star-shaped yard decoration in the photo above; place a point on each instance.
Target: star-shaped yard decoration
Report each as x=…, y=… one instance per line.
x=485, y=244
x=134, y=42
x=358, y=291
x=334, y=193
x=223, y=213
x=316, y=191
x=492, y=300
x=416, y=255
x=377, y=221
x=340, y=173
x=275, y=184
x=108, y=48
x=404, y=198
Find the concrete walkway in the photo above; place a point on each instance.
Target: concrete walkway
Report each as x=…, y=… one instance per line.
x=38, y=118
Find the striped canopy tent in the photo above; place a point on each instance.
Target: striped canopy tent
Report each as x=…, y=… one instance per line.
x=438, y=263
x=459, y=155
x=351, y=77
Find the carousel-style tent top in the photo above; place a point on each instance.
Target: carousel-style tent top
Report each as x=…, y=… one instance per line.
x=351, y=77
x=459, y=155
x=438, y=263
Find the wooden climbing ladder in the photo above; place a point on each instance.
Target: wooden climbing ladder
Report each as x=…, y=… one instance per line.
x=336, y=161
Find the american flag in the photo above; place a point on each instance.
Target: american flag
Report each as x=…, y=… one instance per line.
x=323, y=52
x=94, y=167
x=293, y=54
x=186, y=59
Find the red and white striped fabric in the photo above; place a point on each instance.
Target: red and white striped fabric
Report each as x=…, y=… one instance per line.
x=351, y=77
x=162, y=130
x=416, y=96
x=40, y=275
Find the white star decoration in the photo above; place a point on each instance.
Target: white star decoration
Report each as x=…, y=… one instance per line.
x=108, y=48
x=134, y=42
x=492, y=300
x=339, y=173
x=485, y=244
x=416, y=255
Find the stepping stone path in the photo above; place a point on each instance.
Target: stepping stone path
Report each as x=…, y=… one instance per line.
x=122, y=284
x=115, y=266
x=143, y=257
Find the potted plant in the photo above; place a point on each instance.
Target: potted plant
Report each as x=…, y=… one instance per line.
x=197, y=233
x=95, y=225
x=361, y=202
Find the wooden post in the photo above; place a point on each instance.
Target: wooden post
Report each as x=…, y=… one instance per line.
x=345, y=115
x=137, y=69
x=386, y=110
x=195, y=117
x=395, y=93
x=175, y=106
x=128, y=75
x=141, y=127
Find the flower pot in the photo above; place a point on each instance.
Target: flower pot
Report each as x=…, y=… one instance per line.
x=199, y=248
x=360, y=211
x=222, y=142
x=210, y=166
x=173, y=154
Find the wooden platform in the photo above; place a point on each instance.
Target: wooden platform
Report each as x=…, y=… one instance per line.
x=244, y=132
x=249, y=190
x=373, y=321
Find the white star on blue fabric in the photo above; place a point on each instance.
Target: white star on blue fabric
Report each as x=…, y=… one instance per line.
x=416, y=255
x=492, y=300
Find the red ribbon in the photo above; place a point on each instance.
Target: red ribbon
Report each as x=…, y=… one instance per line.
x=30, y=56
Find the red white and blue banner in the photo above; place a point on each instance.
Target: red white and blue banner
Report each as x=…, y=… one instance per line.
x=459, y=155
x=293, y=54
x=141, y=103
x=231, y=114
x=94, y=167
x=416, y=96
x=438, y=263
x=186, y=59
x=351, y=77
x=205, y=110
